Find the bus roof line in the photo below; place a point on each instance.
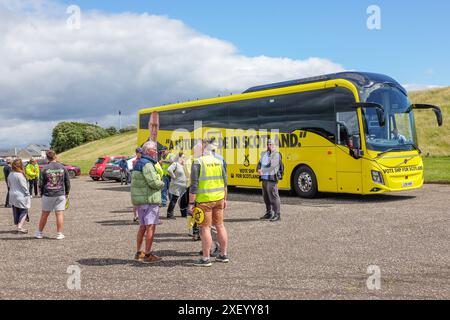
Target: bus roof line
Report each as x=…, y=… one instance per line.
x=357, y=79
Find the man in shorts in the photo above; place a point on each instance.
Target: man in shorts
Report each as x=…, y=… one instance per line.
x=55, y=187
x=209, y=193
x=146, y=186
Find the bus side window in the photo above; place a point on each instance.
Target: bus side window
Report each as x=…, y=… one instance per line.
x=346, y=118
x=271, y=114
x=313, y=111
x=348, y=127
x=243, y=115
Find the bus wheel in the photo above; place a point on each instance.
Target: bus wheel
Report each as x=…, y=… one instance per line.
x=305, y=182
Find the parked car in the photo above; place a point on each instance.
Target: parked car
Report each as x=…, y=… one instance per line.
x=112, y=170
x=97, y=171
x=3, y=162
x=74, y=171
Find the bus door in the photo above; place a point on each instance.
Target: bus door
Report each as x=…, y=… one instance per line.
x=348, y=137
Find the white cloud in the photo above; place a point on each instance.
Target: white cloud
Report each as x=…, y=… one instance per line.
x=20, y=132
x=117, y=61
x=418, y=87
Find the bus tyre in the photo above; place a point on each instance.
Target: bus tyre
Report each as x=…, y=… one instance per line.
x=305, y=182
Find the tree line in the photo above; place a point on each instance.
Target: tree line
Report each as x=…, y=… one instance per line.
x=68, y=135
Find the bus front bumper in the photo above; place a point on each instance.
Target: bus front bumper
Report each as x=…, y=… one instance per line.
x=396, y=182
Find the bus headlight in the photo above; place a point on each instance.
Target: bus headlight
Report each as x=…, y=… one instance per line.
x=377, y=177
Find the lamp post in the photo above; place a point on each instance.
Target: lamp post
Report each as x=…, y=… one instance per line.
x=120, y=120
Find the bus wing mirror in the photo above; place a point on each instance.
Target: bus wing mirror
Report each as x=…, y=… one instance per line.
x=436, y=109
x=378, y=107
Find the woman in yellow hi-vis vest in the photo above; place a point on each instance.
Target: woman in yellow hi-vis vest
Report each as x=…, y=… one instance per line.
x=208, y=192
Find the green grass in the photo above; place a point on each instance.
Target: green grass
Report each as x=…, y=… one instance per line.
x=84, y=156
x=437, y=169
x=433, y=140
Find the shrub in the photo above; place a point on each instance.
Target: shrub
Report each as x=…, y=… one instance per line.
x=128, y=129
x=68, y=135
x=111, y=131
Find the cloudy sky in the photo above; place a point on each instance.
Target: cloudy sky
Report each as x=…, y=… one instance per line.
x=120, y=58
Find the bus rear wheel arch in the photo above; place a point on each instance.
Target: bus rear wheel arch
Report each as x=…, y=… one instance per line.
x=304, y=182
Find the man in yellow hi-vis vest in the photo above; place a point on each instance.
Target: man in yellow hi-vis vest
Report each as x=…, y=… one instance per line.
x=166, y=160
x=32, y=173
x=208, y=192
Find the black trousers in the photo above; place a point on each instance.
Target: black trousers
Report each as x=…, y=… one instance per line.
x=184, y=204
x=172, y=204
x=7, y=198
x=34, y=183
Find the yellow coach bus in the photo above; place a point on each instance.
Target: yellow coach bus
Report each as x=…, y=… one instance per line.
x=347, y=132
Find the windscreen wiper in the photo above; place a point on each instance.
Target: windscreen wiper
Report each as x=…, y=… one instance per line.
x=396, y=149
x=417, y=148
x=388, y=150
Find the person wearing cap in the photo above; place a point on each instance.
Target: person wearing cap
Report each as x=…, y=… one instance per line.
x=6, y=172
x=138, y=156
x=214, y=146
x=270, y=170
x=208, y=192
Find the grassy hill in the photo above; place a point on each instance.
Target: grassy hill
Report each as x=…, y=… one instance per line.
x=433, y=139
x=84, y=156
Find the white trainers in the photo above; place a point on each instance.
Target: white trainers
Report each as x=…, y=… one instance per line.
x=38, y=235
x=60, y=236
x=22, y=231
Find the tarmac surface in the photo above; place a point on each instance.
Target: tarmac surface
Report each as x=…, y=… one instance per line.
x=321, y=249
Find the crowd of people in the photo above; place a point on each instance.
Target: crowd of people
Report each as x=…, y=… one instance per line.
x=159, y=179
x=165, y=179
x=52, y=185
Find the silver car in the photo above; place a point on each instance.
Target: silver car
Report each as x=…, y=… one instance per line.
x=113, y=171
